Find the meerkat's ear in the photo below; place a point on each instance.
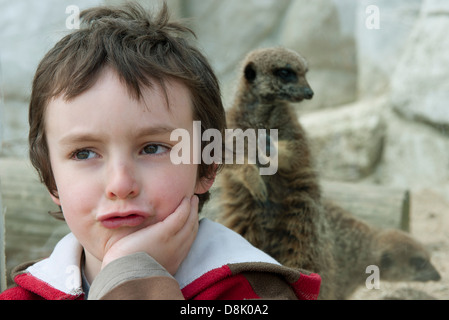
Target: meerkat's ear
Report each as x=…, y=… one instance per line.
x=250, y=72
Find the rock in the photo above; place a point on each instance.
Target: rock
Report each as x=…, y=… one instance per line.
x=420, y=89
x=15, y=133
x=415, y=155
x=2, y=248
x=314, y=30
x=2, y=217
x=347, y=143
x=380, y=46
x=31, y=233
x=30, y=28
x=228, y=30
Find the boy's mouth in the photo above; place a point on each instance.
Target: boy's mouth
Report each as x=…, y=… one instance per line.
x=122, y=219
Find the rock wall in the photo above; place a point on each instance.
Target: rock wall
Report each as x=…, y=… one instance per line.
x=2, y=217
x=2, y=248
x=385, y=57
x=28, y=30
x=420, y=90
x=379, y=70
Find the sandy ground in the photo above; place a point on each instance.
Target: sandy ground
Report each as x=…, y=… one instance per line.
x=430, y=225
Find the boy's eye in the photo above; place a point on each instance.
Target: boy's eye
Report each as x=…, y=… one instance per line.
x=154, y=149
x=83, y=155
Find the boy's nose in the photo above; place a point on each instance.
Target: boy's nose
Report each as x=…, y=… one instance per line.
x=121, y=183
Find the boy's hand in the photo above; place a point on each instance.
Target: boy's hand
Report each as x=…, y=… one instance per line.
x=168, y=241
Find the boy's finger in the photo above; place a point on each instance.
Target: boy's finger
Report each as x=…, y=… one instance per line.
x=176, y=220
x=193, y=217
x=190, y=226
x=194, y=201
x=190, y=229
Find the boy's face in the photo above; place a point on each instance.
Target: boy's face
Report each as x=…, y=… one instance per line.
x=110, y=156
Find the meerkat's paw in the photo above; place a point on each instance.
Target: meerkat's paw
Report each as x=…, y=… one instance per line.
x=253, y=181
x=286, y=153
x=259, y=192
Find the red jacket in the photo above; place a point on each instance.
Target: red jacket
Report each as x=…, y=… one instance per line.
x=221, y=265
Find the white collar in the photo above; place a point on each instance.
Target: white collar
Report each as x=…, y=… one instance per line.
x=214, y=247
x=62, y=269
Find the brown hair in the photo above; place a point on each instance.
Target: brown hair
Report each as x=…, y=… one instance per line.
x=142, y=49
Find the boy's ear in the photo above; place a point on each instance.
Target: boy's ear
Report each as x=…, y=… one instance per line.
x=205, y=183
x=55, y=199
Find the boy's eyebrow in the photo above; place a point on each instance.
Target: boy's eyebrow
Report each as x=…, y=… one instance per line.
x=77, y=137
x=150, y=131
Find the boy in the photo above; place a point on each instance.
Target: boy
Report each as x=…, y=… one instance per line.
x=104, y=102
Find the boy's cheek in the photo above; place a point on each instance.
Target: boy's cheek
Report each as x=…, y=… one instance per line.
x=176, y=188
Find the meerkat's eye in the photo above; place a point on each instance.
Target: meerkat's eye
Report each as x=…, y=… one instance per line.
x=286, y=75
x=386, y=260
x=418, y=263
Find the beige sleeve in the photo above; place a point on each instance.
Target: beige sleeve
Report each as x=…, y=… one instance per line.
x=135, y=277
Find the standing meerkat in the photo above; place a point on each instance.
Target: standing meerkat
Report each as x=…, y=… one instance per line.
x=281, y=213
x=357, y=245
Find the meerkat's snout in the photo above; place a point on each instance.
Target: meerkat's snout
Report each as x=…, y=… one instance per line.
x=304, y=89
x=308, y=93
x=301, y=92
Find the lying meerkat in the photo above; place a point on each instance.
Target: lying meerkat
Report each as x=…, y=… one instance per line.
x=282, y=213
x=357, y=245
